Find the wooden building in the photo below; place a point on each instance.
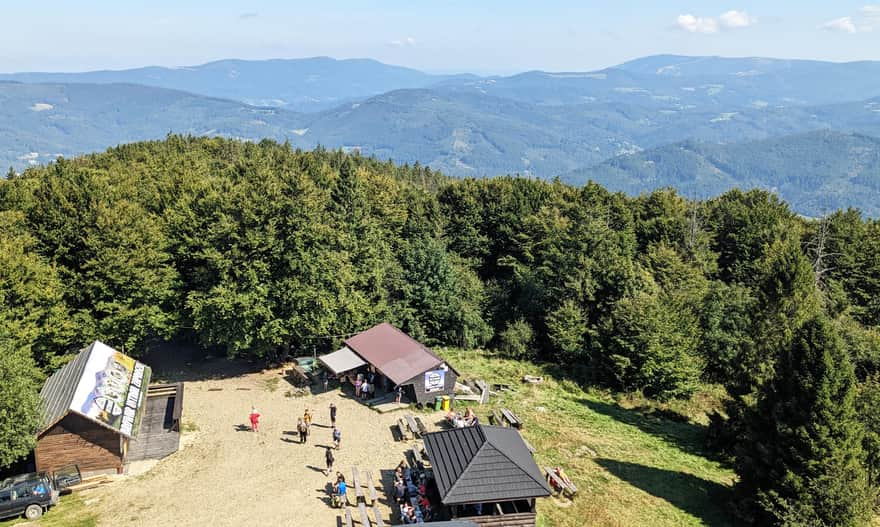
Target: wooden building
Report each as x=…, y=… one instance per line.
x=95, y=409
x=398, y=360
x=486, y=475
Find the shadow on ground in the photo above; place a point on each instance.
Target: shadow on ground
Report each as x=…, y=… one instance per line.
x=686, y=436
x=181, y=361
x=698, y=497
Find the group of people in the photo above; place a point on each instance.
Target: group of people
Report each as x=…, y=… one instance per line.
x=411, y=494
x=340, y=489
x=457, y=420
x=365, y=385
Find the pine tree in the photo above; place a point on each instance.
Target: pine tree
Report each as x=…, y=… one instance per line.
x=801, y=462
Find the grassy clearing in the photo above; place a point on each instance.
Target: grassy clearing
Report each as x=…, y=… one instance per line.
x=272, y=384
x=633, y=465
x=71, y=511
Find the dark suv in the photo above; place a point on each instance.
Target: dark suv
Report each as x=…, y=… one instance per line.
x=28, y=494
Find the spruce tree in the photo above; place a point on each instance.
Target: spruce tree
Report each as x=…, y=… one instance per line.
x=801, y=462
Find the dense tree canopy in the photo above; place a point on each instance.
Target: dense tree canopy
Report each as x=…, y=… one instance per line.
x=262, y=251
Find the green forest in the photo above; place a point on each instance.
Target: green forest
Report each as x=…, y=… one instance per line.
x=261, y=251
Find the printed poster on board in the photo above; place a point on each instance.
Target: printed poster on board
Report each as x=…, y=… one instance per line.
x=435, y=381
x=112, y=389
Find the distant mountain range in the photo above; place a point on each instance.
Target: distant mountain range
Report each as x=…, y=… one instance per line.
x=657, y=121
x=815, y=172
x=311, y=84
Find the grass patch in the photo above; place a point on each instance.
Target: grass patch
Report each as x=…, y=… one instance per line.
x=71, y=511
x=272, y=384
x=636, y=463
x=188, y=426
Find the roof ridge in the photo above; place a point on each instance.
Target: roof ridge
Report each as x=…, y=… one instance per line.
x=470, y=461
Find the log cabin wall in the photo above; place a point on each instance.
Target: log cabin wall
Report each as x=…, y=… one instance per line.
x=77, y=441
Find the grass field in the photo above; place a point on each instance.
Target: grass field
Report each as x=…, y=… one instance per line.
x=632, y=467
x=71, y=511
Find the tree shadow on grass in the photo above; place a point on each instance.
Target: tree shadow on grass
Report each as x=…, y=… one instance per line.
x=698, y=497
x=686, y=436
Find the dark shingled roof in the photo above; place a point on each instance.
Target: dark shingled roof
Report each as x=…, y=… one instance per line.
x=57, y=392
x=397, y=355
x=481, y=464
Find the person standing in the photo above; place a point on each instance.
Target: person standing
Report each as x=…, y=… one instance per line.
x=337, y=436
x=328, y=457
x=333, y=415
x=326, y=381
x=255, y=419
x=307, y=418
x=302, y=429
x=399, y=394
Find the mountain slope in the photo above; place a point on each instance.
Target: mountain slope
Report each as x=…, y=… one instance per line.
x=38, y=122
x=815, y=172
x=310, y=84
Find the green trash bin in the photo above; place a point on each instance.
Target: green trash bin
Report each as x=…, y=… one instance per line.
x=438, y=403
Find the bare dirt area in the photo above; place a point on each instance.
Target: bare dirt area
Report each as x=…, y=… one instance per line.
x=225, y=474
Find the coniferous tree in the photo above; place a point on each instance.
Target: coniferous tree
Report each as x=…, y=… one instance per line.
x=802, y=460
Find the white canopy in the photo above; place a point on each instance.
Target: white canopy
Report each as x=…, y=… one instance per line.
x=342, y=360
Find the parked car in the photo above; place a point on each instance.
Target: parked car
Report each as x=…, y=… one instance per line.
x=29, y=494
x=309, y=365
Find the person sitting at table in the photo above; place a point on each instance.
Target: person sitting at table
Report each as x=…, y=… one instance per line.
x=411, y=516
x=423, y=501
x=562, y=475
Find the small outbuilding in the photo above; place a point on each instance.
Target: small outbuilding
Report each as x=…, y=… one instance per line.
x=100, y=412
x=396, y=359
x=486, y=475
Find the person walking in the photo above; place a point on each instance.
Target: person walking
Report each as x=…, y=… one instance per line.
x=333, y=415
x=328, y=457
x=303, y=430
x=255, y=419
x=337, y=436
x=307, y=418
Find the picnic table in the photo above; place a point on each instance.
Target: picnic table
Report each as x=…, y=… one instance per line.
x=511, y=418
x=348, y=520
x=373, y=496
x=565, y=487
x=378, y=515
x=495, y=418
x=356, y=479
x=365, y=519
x=412, y=425
x=422, y=428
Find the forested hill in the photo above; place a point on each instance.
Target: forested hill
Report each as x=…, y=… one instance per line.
x=814, y=172
x=259, y=250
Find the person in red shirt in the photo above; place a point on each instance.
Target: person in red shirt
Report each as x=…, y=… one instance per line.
x=255, y=419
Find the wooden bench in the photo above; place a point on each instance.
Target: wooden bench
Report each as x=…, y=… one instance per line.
x=374, y=497
x=567, y=488
x=484, y=391
x=348, y=521
x=378, y=515
x=410, y=420
x=511, y=418
x=495, y=418
x=404, y=431
x=417, y=455
x=365, y=519
x=356, y=479
x=422, y=428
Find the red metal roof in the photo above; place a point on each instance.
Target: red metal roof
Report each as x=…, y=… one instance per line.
x=394, y=353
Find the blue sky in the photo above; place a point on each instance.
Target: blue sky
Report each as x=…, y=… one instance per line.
x=481, y=36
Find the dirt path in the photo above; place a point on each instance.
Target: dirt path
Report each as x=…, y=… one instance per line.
x=223, y=476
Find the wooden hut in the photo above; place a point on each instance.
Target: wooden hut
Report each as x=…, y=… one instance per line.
x=398, y=359
x=486, y=474
x=93, y=410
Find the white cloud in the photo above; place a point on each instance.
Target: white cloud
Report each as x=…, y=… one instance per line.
x=41, y=106
x=843, y=24
x=695, y=24
x=871, y=11
x=407, y=42
x=728, y=20
x=735, y=19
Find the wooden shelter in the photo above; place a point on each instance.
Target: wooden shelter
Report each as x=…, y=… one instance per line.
x=486, y=474
x=94, y=410
x=398, y=359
